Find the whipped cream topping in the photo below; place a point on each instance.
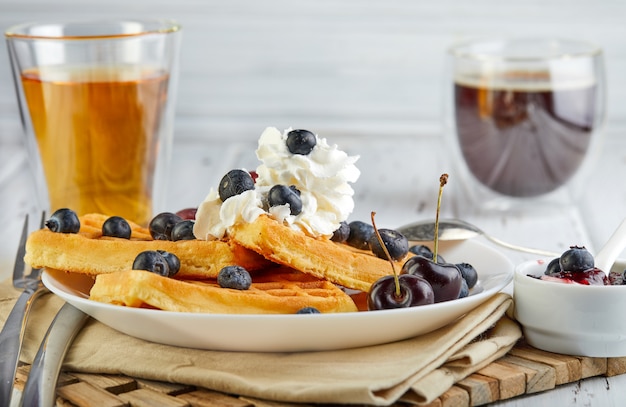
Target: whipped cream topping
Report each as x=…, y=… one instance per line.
x=323, y=178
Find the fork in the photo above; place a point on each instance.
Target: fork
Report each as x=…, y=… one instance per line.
x=40, y=387
x=12, y=333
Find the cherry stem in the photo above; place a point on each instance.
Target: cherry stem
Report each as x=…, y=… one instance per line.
x=443, y=180
x=393, y=266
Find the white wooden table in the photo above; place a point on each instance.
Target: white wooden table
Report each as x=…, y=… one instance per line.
x=399, y=181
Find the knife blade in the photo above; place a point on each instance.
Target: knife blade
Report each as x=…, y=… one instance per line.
x=40, y=387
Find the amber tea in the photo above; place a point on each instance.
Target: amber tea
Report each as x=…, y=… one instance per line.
x=97, y=133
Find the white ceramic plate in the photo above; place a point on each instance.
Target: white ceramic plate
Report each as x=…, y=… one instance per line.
x=293, y=333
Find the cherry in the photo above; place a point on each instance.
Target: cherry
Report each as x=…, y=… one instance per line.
x=254, y=175
x=414, y=291
x=445, y=279
x=395, y=291
x=443, y=180
x=464, y=289
x=187, y=213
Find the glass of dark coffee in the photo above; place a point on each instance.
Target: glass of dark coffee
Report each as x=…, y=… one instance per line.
x=523, y=119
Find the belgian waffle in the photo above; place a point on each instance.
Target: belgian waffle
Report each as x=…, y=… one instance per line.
x=277, y=292
x=322, y=258
x=89, y=252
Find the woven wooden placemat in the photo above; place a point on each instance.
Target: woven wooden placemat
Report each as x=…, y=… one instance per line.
x=524, y=370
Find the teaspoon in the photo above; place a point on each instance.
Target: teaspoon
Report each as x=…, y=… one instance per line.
x=612, y=248
x=456, y=229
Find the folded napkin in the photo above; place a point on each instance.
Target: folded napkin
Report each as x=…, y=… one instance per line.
x=416, y=370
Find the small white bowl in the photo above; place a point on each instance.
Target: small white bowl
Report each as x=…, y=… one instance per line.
x=571, y=319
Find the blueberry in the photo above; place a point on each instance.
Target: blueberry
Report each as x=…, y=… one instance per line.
x=301, y=142
x=423, y=250
x=553, y=267
x=235, y=277
x=282, y=194
x=469, y=274
x=183, y=230
x=341, y=234
x=161, y=225
x=576, y=259
x=152, y=261
x=64, y=221
x=360, y=234
x=308, y=310
x=234, y=183
x=116, y=226
x=464, y=289
x=396, y=243
x=173, y=262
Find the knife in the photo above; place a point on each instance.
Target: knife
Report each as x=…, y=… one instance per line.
x=40, y=387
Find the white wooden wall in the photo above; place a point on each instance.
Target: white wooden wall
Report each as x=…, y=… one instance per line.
x=346, y=67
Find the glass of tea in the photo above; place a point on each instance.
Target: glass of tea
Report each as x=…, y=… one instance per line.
x=97, y=104
x=523, y=120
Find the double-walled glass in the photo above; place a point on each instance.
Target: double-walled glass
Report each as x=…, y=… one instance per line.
x=524, y=118
x=97, y=103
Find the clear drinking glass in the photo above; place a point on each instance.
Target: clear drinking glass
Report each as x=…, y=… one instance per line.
x=523, y=120
x=97, y=103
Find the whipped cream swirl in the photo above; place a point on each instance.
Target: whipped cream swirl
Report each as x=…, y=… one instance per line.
x=323, y=178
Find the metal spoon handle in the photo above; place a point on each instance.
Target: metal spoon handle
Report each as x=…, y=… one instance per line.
x=455, y=229
x=521, y=248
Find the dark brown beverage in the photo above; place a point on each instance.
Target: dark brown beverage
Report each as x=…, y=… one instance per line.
x=522, y=140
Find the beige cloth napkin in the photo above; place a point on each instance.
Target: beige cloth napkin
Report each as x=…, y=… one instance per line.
x=417, y=370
